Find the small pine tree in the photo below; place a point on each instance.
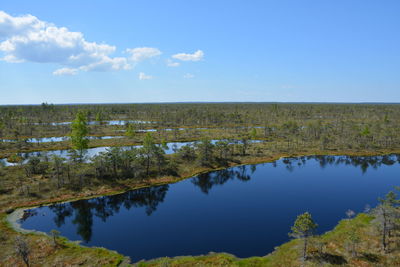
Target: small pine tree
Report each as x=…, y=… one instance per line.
x=147, y=150
x=79, y=133
x=385, y=217
x=303, y=228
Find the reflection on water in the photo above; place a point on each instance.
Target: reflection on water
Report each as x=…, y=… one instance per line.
x=83, y=211
x=91, y=152
x=207, y=181
x=222, y=210
x=111, y=122
x=56, y=139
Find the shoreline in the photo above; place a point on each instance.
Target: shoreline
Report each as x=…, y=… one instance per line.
x=65, y=145
x=11, y=219
x=172, y=179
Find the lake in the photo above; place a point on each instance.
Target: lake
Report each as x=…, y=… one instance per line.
x=245, y=210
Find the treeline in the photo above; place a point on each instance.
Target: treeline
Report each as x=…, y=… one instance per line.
x=115, y=163
x=320, y=118
x=290, y=127
x=198, y=113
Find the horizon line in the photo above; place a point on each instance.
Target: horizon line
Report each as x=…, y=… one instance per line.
x=205, y=102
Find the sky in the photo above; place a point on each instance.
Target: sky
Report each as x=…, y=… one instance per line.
x=74, y=51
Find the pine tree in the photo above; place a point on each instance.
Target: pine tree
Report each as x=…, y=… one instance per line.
x=148, y=150
x=303, y=228
x=79, y=133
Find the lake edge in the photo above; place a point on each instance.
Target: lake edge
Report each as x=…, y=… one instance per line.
x=11, y=219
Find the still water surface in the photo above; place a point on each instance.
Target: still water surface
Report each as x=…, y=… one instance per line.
x=111, y=122
x=172, y=147
x=246, y=210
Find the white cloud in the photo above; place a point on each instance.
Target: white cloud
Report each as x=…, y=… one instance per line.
x=26, y=38
x=143, y=76
x=18, y=25
x=196, y=56
x=188, y=76
x=142, y=53
x=171, y=63
x=65, y=71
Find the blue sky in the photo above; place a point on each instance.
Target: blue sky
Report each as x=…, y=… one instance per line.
x=170, y=51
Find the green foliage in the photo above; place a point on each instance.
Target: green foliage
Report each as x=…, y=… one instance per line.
x=304, y=226
x=390, y=199
x=386, y=215
x=187, y=153
x=205, y=152
x=35, y=166
x=99, y=118
x=386, y=119
x=147, y=150
x=222, y=148
x=253, y=133
x=291, y=127
x=148, y=144
x=164, y=144
x=79, y=133
x=2, y=126
x=130, y=131
x=354, y=238
x=365, y=131
x=244, y=140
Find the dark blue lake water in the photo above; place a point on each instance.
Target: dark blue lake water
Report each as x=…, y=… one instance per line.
x=246, y=210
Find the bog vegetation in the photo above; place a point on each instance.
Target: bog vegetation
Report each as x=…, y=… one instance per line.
x=218, y=135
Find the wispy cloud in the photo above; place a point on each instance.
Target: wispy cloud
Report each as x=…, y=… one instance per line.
x=141, y=53
x=196, y=56
x=171, y=63
x=65, y=71
x=143, y=76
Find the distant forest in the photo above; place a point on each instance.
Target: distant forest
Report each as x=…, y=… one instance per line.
x=338, y=125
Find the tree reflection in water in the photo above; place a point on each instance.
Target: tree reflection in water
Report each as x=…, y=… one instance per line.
x=362, y=162
x=206, y=181
x=104, y=207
